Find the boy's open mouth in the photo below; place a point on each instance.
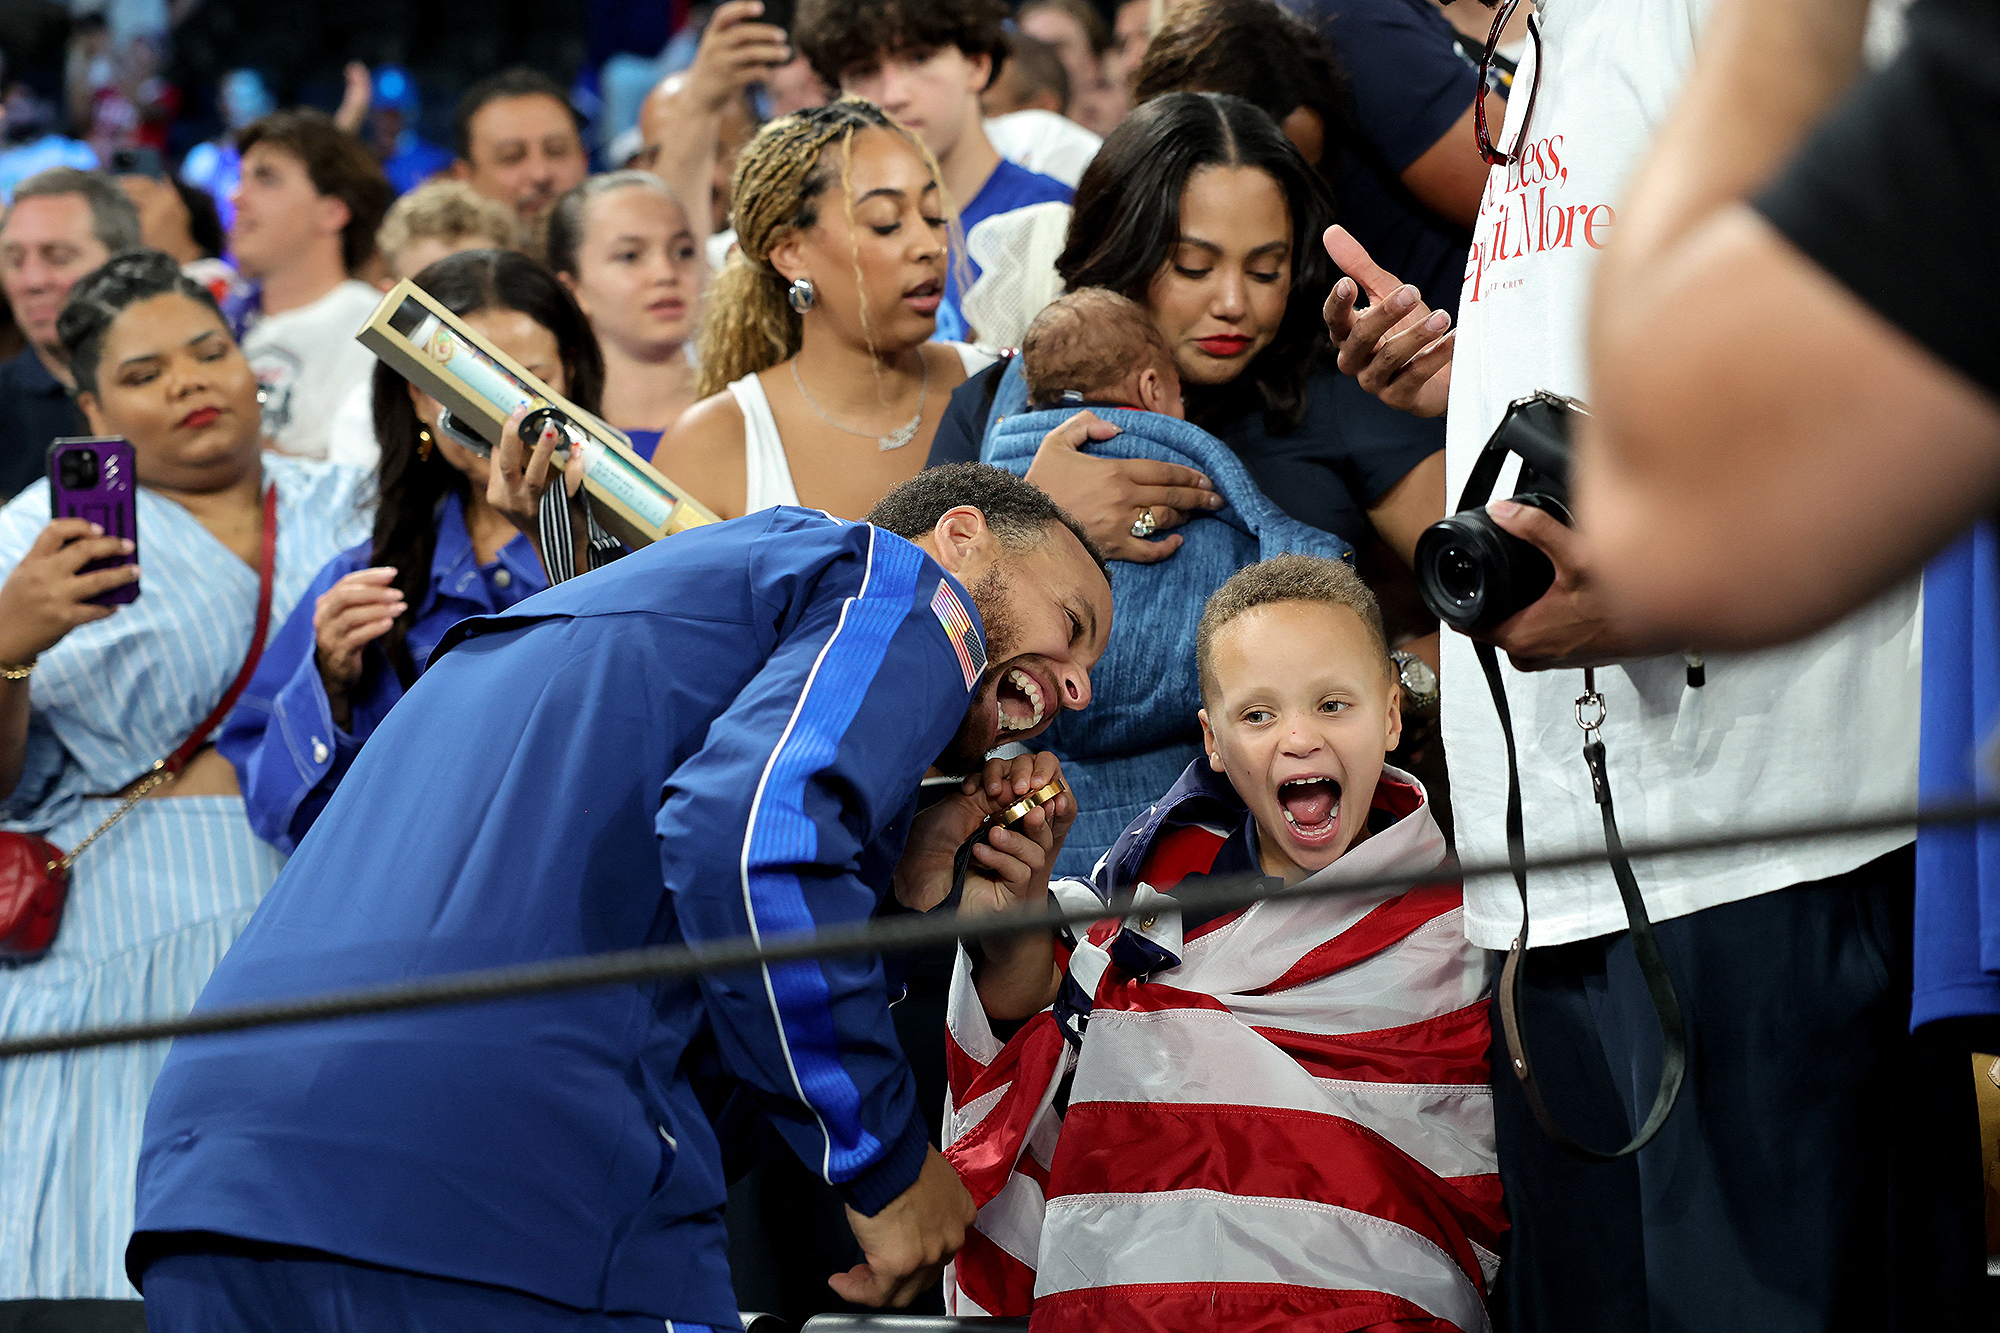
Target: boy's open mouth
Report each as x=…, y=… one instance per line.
x=1311, y=806
x=1022, y=704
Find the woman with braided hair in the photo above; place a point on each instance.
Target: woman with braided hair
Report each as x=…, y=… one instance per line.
x=820, y=385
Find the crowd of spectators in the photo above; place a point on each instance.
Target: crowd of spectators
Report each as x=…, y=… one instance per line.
x=1234, y=284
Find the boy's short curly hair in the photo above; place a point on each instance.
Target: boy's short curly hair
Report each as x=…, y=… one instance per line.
x=836, y=36
x=1284, y=578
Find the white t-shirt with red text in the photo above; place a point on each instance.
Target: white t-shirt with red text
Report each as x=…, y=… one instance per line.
x=1820, y=730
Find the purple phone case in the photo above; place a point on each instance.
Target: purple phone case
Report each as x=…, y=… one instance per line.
x=112, y=503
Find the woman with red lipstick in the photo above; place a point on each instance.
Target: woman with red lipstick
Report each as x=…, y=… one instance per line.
x=623, y=245
x=822, y=387
x=92, y=697
x=1202, y=211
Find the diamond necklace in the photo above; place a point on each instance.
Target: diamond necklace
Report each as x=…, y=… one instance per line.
x=895, y=439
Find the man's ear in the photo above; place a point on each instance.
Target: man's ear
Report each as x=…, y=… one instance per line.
x=334, y=214
x=461, y=170
x=1208, y=743
x=964, y=542
x=980, y=72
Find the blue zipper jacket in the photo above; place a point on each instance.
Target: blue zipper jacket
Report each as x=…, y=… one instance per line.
x=718, y=736
x=288, y=754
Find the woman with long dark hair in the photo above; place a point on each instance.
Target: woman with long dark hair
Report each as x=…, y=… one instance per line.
x=449, y=543
x=1200, y=210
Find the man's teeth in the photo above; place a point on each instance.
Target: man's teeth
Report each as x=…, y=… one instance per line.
x=1025, y=683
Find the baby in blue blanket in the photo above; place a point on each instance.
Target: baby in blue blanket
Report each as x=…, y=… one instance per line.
x=1095, y=348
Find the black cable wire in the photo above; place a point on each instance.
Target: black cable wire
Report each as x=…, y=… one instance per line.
x=891, y=935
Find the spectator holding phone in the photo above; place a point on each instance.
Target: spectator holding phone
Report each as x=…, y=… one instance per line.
x=697, y=121
x=447, y=544
x=92, y=697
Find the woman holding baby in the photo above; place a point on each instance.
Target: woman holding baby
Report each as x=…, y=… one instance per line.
x=1201, y=211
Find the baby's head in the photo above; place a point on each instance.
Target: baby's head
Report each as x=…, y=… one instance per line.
x=1096, y=346
x=1299, y=705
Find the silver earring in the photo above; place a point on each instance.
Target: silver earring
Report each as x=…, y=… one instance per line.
x=801, y=295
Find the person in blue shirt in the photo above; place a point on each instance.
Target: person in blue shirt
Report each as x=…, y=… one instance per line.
x=442, y=550
x=926, y=65
x=1409, y=188
x=721, y=735
x=408, y=159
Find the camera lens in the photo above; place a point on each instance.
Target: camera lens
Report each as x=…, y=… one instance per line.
x=1459, y=576
x=1474, y=574
x=77, y=469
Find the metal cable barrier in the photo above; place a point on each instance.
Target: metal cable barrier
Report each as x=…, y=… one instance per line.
x=899, y=934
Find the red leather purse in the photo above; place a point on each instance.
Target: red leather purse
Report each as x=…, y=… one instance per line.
x=34, y=872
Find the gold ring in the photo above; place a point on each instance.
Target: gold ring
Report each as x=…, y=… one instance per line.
x=1038, y=797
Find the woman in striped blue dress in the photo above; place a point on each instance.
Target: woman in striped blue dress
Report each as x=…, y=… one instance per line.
x=155, y=902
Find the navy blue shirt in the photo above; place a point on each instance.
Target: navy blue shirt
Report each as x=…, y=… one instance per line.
x=34, y=409
x=1409, y=86
x=720, y=735
x=281, y=737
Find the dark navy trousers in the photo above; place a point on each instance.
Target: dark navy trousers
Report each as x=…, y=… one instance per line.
x=242, y=1287
x=1821, y=1169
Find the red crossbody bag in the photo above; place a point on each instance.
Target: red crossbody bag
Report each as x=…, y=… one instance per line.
x=34, y=872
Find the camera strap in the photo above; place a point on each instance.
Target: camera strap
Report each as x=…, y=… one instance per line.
x=1645, y=948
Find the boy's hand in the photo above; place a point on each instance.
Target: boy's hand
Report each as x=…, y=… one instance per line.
x=1012, y=866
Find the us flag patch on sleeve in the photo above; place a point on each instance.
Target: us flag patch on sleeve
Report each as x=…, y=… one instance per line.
x=958, y=627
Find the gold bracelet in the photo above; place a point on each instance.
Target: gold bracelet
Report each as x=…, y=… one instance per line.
x=21, y=672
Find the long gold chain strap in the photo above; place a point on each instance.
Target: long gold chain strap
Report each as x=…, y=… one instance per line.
x=146, y=787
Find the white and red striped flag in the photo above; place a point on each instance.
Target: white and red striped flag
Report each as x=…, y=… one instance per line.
x=1289, y=1128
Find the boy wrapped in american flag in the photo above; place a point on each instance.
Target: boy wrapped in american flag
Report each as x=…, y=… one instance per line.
x=1274, y=1117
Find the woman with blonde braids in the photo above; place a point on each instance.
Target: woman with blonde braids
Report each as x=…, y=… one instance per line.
x=819, y=384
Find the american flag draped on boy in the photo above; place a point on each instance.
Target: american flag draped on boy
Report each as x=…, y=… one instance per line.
x=1282, y=1120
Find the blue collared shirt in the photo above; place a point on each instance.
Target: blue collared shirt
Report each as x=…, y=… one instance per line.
x=289, y=755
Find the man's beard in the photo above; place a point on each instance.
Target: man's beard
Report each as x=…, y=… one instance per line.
x=994, y=600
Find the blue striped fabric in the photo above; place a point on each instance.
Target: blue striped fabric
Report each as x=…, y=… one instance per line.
x=155, y=903
x=782, y=833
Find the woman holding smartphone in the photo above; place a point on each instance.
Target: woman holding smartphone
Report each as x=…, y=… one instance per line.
x=91, y=696
x=446, y=545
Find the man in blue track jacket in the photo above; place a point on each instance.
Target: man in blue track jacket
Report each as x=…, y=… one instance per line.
x=721, y=735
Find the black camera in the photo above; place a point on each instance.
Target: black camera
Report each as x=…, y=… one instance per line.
x=1472, y=572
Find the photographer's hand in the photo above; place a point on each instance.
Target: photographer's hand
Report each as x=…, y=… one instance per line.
x=1567, y=626
x=1397, y=348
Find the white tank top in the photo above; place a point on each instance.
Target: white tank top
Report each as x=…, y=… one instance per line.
x=767, y=477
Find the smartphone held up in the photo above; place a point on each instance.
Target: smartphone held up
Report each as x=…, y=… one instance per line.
x=95, y=478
